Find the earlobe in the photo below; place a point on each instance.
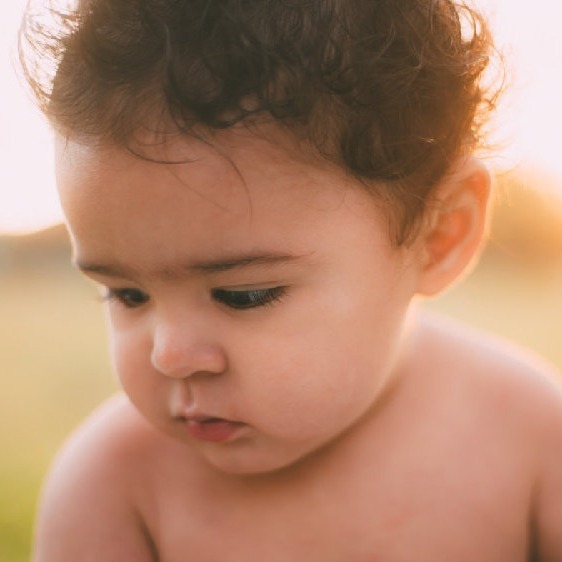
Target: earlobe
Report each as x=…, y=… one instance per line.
x=454, y=227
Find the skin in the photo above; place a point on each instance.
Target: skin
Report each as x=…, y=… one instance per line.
x=363, y=430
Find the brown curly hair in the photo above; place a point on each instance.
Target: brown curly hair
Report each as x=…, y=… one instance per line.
x=391, y=90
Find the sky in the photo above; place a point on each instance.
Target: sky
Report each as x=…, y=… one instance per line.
x=529, y=124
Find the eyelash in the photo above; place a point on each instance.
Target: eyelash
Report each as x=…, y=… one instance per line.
x=129, y=298
x=235, y=299
x=246, y=299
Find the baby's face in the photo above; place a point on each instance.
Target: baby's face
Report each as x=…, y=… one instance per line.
x=256, y=303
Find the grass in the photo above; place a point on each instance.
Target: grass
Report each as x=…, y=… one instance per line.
x=55, y=367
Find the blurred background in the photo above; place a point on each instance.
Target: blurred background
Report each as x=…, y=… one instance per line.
x=53, y=359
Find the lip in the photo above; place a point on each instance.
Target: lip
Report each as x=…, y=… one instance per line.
x=212, y=429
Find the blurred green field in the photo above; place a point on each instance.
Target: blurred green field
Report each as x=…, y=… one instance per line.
x=55, y=368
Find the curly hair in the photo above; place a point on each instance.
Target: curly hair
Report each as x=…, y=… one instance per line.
x=390, y=90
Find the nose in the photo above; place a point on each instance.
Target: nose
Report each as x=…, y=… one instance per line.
x=180, y=350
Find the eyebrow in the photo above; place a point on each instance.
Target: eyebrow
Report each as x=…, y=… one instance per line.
x=204, y=266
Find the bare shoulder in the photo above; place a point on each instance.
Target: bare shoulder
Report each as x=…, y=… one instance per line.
x=515, y=383
x=89, y=506
x=521, y=394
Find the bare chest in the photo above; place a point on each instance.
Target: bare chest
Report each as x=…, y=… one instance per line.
x=427, y=514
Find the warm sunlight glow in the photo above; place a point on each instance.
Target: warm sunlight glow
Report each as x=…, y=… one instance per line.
x=530, y=123
x=531, y=116
x=27, y=190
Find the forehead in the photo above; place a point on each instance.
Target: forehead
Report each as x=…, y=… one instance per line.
x=233, y=194
x=232, y=162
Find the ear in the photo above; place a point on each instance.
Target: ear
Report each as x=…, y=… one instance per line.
x=454, y=226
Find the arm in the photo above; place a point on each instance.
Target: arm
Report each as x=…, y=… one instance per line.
x=548, y=506
x=88, y=512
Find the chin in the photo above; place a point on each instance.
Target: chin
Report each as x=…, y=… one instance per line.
x=247, y=463
x=239, y=466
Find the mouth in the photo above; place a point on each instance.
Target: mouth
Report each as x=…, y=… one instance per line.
x=216, y=430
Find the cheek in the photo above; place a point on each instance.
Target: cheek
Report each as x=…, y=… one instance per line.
x=312, y=397
x=323, y=376
x=130, y=355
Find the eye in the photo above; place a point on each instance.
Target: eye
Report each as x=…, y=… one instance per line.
x=248, y=299
x=129, y=298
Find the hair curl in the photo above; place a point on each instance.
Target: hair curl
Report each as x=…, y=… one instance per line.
x=391, y=90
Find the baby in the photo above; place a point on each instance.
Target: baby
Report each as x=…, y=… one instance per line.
x=264, y=189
